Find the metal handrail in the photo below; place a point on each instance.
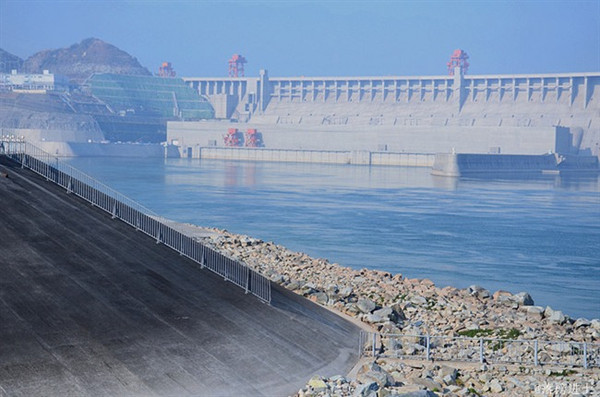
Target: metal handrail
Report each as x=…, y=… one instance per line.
x=480, y=349
x=131, y=212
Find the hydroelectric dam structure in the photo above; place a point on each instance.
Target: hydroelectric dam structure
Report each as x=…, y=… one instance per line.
x=395, y=120
x=99, y=296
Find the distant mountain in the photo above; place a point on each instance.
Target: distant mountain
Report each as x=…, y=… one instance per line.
x=81, y=60
x=9, y=62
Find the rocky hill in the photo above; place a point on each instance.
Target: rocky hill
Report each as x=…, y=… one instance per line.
x=81, y=60
x=9, y=62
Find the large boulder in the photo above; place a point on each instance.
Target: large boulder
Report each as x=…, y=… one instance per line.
x=366, y=305
x=428, y=383
x=418, y=300
x=317, y=383
x=345, y=292
x=366, y=390
x=555, y=316
x=523, y=299
x=320, y=297
x=535, y=312
x=372, y=372
x=388, y=314
x=448, y=374
x=496, y=386
x=479, y=292
x=400, y=316
x=582, y=322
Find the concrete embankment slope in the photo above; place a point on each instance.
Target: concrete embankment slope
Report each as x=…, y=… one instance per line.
x=89, y=306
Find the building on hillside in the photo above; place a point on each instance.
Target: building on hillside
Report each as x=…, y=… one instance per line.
x=33, y=83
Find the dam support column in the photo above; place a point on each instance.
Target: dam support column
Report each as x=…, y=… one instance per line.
x=264, y=91
x=460, y=93
x=445, y=164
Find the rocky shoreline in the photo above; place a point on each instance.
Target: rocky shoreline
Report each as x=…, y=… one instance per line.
x=392, y=304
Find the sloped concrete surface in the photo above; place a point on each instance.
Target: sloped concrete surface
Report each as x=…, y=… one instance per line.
x=89, y=306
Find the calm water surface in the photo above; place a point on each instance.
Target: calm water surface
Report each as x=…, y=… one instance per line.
x=539, y=235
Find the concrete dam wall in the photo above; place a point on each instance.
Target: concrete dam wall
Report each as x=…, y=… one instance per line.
x=89, y=306
x=510, y=114
x=468, y=164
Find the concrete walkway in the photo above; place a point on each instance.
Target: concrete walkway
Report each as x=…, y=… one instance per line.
x=89, y=306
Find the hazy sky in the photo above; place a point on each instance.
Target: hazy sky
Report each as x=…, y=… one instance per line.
x=319, y=38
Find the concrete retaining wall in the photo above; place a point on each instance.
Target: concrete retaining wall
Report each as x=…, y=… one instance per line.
x=401, y=139
x=461, y=164
x=312, y=156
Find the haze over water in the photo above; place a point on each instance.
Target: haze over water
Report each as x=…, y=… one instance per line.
x=539, y=235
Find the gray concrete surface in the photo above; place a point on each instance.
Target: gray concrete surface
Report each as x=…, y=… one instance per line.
x=418, y=139
x=88, y=306
x=515, y=114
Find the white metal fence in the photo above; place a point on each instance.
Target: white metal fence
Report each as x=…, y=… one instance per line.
x=134, y=214
x=483, y=350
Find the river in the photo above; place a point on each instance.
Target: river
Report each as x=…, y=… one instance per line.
x=540, y=235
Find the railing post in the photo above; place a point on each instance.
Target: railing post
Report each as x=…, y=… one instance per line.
x=361, y=344
x=158, y=233
x=481, y=350
x=114, y=210
x=428, y=348
x=374, y=342
x=585, y=365
x=248, y=279
x=70, y=186
x=535, y=353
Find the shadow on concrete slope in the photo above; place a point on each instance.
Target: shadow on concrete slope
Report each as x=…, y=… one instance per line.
x=89, y=306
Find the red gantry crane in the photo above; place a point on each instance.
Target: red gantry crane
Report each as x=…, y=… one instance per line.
x=458, y=59
x=253, y=138
x=236, y=65
x=166, y=70
x=233, y=137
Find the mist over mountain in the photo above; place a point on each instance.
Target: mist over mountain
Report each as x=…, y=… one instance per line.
x=9, y=61
x=81, y=60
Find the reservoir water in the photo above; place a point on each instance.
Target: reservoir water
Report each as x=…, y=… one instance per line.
x=540, y=235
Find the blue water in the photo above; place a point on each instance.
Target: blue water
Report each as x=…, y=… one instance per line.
x=539, y=235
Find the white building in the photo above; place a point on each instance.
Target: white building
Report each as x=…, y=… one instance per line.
x=32, y=83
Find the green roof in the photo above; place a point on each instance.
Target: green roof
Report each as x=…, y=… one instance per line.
x=148, y=95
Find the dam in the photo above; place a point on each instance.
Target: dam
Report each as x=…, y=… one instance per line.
x=90, y=305
x=482, y=114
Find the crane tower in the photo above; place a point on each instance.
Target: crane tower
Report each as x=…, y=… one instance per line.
x=458, y=59
x=166, y=70
x=236, y=66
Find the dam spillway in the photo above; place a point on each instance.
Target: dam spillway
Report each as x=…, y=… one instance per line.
x=89, y=306
x=508, y=114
